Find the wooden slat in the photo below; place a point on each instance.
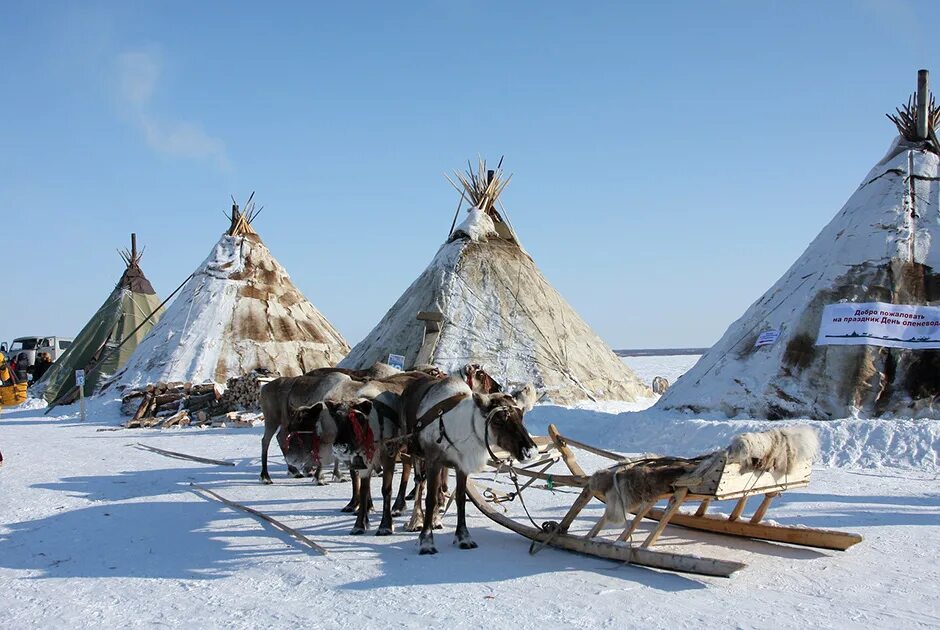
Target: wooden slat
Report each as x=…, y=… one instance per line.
x=587, y=447
x=640, y=515
x=703, y=507
x=574, y=481
x=675, y=502
x=738, y=509
x=735, y=483
x=804, y=536
x=582, y=500
x=763, y=507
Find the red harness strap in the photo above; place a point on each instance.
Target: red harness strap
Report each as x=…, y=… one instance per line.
x=364, y=437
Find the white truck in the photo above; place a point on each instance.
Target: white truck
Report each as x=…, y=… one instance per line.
x=24, y=350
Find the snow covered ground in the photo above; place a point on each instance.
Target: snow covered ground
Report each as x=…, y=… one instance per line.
x=96, y=531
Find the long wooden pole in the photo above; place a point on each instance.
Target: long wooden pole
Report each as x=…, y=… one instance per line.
x=176, y=455
x=264, y=517
x=923, y=108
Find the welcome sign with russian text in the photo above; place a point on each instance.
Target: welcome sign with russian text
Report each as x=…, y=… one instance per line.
x=908, y=326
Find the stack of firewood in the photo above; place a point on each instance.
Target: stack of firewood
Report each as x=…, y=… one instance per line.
x=244, y=392
x=184, y=404
x=169, y=404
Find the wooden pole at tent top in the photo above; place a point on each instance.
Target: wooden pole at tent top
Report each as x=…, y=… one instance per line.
x=133, y=246
x=923, y=107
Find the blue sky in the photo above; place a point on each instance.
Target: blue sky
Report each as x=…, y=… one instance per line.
x=670, y=160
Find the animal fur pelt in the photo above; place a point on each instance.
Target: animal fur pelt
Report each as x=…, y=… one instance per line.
x=630, y=484
x=778, y=450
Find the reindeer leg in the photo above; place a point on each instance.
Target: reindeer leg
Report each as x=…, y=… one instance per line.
x=426, y=538
x=442, y=493
x=353, y=504
x=417, y=511
x=462, y=535
x=365, y=492
x=325, y=454
x=337, y=473
x=400, y=504
x=441, y=497
x=386, y=528
x=265, y=443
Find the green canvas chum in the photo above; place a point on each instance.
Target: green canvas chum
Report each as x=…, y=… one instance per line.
x=127, y=315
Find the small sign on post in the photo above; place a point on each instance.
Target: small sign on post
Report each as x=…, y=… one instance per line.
x=80, y=382
x=397, y=361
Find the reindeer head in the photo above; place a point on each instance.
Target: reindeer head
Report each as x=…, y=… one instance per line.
x=504, y=424
x=352, y=428
x=479, y=380
x=303, y=438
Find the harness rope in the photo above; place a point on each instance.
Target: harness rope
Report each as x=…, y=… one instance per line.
x=552, y=528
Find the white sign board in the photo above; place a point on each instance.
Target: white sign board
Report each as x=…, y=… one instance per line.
x=767, y=338
x=878, y=324
x=397, y=361
x=79, y=378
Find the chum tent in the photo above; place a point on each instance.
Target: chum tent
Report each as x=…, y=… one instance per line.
x=239, y=311
x=482, y=300
x=847, y=330
x=126, y=316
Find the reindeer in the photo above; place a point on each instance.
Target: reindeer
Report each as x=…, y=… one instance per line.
x=290, y=411
x=451, y=425
x=479, y=381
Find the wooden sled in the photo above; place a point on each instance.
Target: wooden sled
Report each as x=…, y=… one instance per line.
x=559, y=537
x=724, y=481
x=683, y=563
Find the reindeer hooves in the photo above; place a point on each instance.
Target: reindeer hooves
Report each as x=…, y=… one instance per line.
x=357, y=531
x=385, y=530
x=427, y=545
x=266, y=480
x=465, y=543
x=350, y=508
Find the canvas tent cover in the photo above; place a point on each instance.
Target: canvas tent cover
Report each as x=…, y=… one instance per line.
x=880, y=247
x=131, y=309
x=239, y=311
x=499, y=311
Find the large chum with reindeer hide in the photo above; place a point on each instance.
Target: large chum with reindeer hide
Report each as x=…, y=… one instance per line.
x=239, y=311
x=482, y=300
x=853, y=327
x=110, y=337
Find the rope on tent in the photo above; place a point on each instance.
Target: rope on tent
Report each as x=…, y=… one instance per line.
x=561, y=367
x=95, y=367
x=759, y=322
x=555, y=365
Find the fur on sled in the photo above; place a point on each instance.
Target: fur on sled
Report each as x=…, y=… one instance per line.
x=632, y=483
x=778, y=450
